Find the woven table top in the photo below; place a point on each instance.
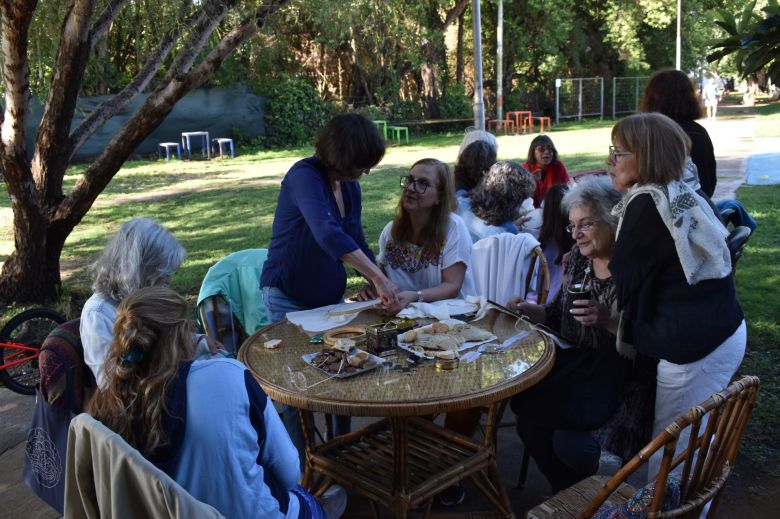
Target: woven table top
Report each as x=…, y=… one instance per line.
x=394, y=389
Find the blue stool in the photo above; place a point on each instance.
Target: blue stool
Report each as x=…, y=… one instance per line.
x=222, y=144
x=167, y=146
x=186, y=143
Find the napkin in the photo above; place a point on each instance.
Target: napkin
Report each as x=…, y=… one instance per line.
x=317, y=319
x=446, y=308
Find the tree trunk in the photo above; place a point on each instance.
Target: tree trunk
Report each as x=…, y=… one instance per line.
x=43, y=215
x=459, y=50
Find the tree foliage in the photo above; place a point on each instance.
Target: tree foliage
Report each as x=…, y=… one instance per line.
x=183, y=50
x=754, y=39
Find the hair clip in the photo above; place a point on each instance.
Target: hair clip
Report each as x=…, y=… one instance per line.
x=131, y=357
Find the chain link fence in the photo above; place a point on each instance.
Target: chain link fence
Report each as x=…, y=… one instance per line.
x=626, y=94
x=578, y=98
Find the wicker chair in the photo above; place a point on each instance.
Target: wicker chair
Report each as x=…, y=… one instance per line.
x=703, y=465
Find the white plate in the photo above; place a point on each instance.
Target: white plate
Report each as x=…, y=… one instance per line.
x=310, y=356
x=463, y=347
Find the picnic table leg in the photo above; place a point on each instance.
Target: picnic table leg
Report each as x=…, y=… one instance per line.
x=307, y=423
x=490, y=484
x=400, y=428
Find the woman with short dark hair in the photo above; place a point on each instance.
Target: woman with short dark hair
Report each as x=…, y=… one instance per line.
x=672, y=93
x=317, y=224
x=473, y=162
x=493, y=206
x=544, y=165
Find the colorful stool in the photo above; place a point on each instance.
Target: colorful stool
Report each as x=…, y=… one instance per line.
x=168, y=146
x=221, y=144
x=397, y=131
x=383, y=124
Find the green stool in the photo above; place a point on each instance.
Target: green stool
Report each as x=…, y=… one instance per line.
x=383, y=124
x=397, y=131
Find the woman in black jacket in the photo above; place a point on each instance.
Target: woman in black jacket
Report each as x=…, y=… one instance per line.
x=671, y=93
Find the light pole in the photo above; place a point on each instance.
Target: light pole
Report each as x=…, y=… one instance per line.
x=678, y=50
x=479, y=104
x=500, y=62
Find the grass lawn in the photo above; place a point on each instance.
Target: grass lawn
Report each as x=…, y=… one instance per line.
x=758, y=279
x=223, y=205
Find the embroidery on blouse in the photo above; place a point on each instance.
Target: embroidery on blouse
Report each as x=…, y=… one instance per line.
x=408, y=257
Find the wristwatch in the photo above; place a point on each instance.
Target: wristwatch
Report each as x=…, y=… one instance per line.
x=420, y=297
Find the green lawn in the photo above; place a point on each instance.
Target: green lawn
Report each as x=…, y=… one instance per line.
x=220, y=206
x=758, y=279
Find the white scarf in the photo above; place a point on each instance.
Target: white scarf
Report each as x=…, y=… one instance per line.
x=699, y=237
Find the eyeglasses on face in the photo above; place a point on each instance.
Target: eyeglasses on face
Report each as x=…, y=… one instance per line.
x=418, y=185
x=615, y=153
x=545, y=147
x=584, y=226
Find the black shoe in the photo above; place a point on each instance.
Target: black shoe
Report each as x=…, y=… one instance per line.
x=452, y=496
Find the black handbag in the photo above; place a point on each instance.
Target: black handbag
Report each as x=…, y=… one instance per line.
x=47, y=445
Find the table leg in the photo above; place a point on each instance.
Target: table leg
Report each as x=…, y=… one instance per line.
x=400, y=469
x=307, y=424
x=490, y=484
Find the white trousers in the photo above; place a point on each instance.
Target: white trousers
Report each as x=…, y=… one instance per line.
x=682, y=386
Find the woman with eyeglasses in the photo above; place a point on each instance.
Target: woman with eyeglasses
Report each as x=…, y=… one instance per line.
x=555, y=417
x=672, y=269
x=426, y=249
x=544, y=165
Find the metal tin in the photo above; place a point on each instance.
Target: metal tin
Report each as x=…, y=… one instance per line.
x=446, y=364
x=382, y=339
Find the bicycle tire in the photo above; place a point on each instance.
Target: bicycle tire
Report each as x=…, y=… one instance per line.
x=30, y=328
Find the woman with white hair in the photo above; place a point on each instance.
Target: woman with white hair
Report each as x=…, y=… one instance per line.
x=555, y=417
x=141, y=254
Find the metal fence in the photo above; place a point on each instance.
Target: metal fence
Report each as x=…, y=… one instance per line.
x=578, y=98
x=626, y=94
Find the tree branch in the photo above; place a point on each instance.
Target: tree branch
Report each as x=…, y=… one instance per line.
x=50, y=160
x=104, y=21
x=455, y=12
x=149, y=116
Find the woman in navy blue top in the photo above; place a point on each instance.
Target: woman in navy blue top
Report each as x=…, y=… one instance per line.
x=317, y=224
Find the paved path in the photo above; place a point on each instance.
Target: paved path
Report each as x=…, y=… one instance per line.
x=734, y=143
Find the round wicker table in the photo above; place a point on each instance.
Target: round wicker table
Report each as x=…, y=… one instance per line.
x=404, y=460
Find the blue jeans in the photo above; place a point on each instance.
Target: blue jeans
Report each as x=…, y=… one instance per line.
x=278, y=304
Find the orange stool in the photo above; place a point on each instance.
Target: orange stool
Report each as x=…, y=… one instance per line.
x=506, y=123
x=542, y=121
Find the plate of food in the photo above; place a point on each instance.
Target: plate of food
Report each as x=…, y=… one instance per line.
x=336, y=362
x=446, y=335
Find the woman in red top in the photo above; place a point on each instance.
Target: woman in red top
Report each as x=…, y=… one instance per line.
x=544, y=165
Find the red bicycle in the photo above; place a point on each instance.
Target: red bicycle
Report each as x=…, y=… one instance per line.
x=20, y=344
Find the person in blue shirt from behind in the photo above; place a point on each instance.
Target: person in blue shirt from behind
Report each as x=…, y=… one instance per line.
x=317, y=224
x=206, y=423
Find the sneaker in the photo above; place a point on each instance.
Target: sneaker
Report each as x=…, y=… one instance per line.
x=334, y=501
x=452, y=496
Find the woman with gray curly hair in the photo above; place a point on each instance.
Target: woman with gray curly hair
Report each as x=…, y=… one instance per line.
x=581, y=391
x=141, y=254
x=492, y=206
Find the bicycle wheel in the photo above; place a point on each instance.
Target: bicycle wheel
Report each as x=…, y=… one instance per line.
x=30, y=328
